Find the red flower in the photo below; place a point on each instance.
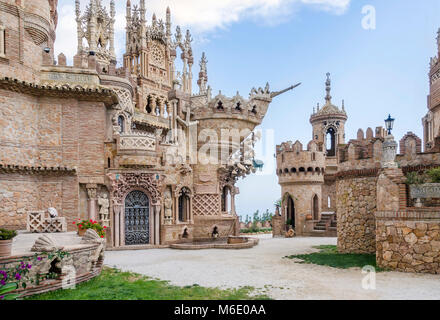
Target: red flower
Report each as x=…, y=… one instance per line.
x=91, y=220
x=105, y=227
x=102, y=236
x=80, y=226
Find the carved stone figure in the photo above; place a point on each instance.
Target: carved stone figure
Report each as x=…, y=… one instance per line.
x=168, y=203
x=104, y=205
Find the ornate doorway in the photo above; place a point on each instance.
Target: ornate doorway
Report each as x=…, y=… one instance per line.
x=137, y=218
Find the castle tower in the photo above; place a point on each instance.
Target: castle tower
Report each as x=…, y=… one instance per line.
x=96, y=26
x=431, y=122
x=329, y=125
x=301, y=177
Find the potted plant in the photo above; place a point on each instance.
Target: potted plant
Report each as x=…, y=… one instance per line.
x=6, y=237
x=84, y=225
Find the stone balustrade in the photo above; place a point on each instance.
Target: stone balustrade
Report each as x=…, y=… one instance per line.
x=137, y=142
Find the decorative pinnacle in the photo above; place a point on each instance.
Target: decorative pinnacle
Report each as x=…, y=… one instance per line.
x=328, y=88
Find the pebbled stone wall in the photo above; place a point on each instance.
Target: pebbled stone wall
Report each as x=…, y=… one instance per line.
x=356, y=205
x=408, y=241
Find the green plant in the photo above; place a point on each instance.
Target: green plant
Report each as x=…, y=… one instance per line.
x=415, y=178
x=91, y=224
x=18, y=276
x=434, y=175
x=5, y=292
x=289, y=222
x=7, y=234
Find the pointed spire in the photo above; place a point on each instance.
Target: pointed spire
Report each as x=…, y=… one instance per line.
x=343, y=105
x=168, y=23
x=203, y=75
x=317, y=107
x=328, y=88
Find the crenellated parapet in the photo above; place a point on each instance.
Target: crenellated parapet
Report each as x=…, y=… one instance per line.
x=296, y=165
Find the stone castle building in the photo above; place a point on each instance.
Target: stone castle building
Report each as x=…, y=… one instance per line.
x=307, y=177
x=74, y=136
x=364, y=185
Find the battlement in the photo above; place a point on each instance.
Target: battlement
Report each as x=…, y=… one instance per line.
x=294, y=164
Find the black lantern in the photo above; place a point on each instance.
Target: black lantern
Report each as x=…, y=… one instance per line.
x=389, y=124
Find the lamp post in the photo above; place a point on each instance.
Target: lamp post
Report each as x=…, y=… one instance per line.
x=389, y=124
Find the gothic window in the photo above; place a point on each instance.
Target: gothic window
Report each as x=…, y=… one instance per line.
x=2, y=41
x=254, y=110
x=313, y=156
x=329, y=202
x=226, y=199
x=220, y=106
x=121, y=124
x=238, y=106
x=184, y=206
x=331, y=142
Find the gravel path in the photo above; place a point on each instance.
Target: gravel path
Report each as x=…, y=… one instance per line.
x=264, y=268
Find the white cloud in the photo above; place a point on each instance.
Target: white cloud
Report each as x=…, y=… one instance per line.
x=201, y=16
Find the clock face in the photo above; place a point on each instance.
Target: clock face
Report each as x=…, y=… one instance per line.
x=157, y=56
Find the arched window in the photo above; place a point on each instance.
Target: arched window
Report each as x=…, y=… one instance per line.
x=184, y=206
x=331, y=142
x=220, y=106
x=121, y=124
x=315, y=207
x=238, y=106
x=254, y=110
x=329, y=202
x=148, y=107
x=226, y=200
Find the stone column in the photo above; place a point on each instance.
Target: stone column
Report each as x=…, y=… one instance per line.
x=390, y=178
x=157, y=226
x=91, y=201
x=117, y=209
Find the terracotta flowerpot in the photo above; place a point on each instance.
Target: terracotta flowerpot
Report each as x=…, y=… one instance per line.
x=81, y=232
x=309, y=217
x=5, y=248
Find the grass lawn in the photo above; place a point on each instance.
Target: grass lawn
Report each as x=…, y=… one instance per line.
x=329, y=256
x=113, y=284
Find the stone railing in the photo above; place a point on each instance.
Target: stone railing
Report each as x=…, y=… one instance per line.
x=137, y=142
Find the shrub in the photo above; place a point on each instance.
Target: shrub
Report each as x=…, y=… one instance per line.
x=7, y=234
x=434, y=175
x=289, y=222
x=415, y=178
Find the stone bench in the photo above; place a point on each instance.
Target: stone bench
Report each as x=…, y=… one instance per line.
x=41, y=222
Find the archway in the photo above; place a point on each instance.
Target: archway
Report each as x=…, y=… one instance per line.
x=290, y=214
x=137, y=218
x=315, y=207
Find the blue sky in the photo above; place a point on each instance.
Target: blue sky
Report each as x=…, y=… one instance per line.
x=251, y=42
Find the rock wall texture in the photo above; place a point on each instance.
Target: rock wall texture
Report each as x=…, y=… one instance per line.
x=408, y=241
x=356, y=204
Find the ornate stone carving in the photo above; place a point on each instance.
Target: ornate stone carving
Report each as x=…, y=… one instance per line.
x=123, y=183
x=45, y=243
x=389, y=153
x=168, y=204
x=104, y=205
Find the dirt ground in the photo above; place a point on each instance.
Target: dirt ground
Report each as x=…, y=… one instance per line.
x=264, y=268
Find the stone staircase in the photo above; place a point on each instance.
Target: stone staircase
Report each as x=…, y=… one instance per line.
x=327, y=226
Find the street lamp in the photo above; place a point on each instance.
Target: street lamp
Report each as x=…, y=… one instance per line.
x=389, y=123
